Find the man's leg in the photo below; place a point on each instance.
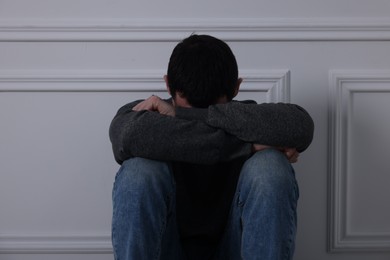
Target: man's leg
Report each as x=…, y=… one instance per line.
x=144, y=223
x=262, y=222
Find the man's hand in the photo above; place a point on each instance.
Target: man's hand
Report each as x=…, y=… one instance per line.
x=154, y=103
x=291, y=153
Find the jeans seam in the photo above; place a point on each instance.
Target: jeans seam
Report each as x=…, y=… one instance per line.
x=161, y=235
x=164, y=224
x=290, y=241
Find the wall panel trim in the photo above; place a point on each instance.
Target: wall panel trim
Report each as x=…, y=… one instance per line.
x=55, y=243
x=25, y=78
x=343, y=84
x=235, y=29
x=278, y=89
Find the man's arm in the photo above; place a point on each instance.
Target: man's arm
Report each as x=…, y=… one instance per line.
x=189, y=138
x=153, y=135
x=278, y=125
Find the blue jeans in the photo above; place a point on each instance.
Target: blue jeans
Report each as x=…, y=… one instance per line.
x=261, y=224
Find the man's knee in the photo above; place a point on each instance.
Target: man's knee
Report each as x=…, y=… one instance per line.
x=268, y=168
x=139, y=174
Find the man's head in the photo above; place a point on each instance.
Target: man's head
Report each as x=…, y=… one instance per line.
x=203, y=71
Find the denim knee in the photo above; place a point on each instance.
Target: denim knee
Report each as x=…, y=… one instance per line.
x=143, y=206
x=268, y=170
x=141, y=176
x=266, y=206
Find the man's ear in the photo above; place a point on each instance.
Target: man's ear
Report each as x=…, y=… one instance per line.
x=239, y=81
x=167, y=84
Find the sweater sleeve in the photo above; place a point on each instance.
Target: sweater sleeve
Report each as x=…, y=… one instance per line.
x=285, y=125
x=151, y=135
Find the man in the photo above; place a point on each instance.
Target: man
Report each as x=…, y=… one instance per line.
x=202, y=176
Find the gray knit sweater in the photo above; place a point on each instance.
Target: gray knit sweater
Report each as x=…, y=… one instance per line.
x=207, y=148
x=205, y=136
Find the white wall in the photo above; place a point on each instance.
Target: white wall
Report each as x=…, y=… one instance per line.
x=67, y=66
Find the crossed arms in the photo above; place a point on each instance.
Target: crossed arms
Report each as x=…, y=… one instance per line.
x=222, y=132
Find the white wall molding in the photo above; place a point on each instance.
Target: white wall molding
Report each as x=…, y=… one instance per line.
x=79, y=76
x=274, y=83
x=343, y=84
x=279, y=80
x=55, y=243
x=267, y=29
